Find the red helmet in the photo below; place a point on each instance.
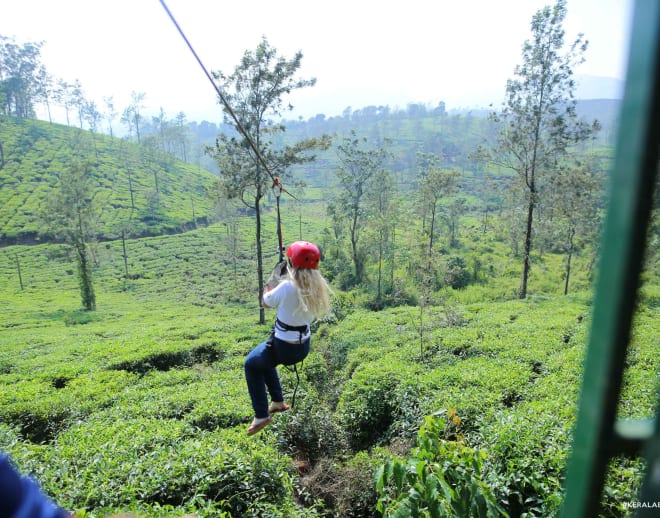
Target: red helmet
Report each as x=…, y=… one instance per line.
x=304, y=255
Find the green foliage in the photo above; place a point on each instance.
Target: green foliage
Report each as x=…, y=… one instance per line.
x=71, y=215
x=142, y=406
x=358, y=167
x=456, y=275
x=106, y=463
x=441, y=479
x=21, y=71
x=311, y=432
x=122, y=173
x=159, y=366
x=539, y=122
x=368, y=404
x=528, y=451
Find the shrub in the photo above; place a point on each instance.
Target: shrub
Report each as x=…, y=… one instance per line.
x=309, y=431
x=442, y=479
x=346, y=488
x=457, y=275
x=103, y=464
x=367, y=406
x=528, y=449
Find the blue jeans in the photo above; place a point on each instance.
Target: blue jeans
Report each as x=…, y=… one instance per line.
x=260, y=371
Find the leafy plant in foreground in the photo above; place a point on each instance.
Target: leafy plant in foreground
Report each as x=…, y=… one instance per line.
x=442, y=478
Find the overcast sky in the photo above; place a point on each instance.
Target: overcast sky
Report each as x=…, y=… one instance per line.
x=361, y=52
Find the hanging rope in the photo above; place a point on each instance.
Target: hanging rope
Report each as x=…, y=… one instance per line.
x=223, y=99
x=277, y=183
x=295, y=389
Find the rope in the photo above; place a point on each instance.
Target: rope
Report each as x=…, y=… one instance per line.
x=277, y=183
x=223, y=99
x=295, y=389
x=277, y=191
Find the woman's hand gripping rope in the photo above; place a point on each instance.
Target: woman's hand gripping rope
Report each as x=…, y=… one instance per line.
x=279, y=274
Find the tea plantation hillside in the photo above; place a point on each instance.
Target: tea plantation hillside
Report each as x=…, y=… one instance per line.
x=141, y=406
x=139, y=190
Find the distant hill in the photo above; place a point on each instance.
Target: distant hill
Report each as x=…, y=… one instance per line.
x=141, y=190
x=453, y=135
x=311, y=103
x=607, y=113
x=596, y=87
x=145, y=191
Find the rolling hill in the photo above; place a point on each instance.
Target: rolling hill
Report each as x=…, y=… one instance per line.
x=141, y=190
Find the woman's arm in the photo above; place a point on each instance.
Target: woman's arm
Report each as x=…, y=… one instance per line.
x=266, y=290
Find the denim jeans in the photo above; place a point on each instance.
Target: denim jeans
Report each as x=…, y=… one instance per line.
x=261, y=374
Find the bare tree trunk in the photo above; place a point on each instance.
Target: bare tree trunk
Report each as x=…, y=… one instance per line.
x=380, y=266
x=568, y=259
x=260, y=266
x=356, y=259
x=432, y=230
x=528, y=249
x=18, y=268
x=130, y=189
x=123, y=245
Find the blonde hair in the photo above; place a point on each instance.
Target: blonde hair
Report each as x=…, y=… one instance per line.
x=313, y=291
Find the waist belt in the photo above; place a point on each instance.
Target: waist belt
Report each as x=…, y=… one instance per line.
x=302, y=330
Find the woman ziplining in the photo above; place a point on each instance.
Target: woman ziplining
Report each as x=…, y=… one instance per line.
x=301, y=297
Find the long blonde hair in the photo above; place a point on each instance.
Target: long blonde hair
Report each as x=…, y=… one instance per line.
x=313, y=291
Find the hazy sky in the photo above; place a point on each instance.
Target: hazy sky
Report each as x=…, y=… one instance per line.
x=362, y=52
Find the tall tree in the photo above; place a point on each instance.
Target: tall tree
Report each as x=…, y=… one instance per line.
x=576, y=201
x=538, y=122
x=181, y=136
x=358, y=163
x=78, y=100
x=434, y=185
x=455, y=210
x=132, y=114
x=112, y=113
x=45, y=89
x=71, y=215
x=20, y=77
x=255, y=93
x=383, y=209
x=63, y=95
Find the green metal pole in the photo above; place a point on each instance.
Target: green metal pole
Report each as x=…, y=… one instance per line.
x=622, y=251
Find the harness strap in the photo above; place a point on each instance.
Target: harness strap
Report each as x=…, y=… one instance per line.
x=302, y=330
x=295, y=390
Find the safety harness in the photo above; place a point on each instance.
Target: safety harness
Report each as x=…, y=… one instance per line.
x=302, y=331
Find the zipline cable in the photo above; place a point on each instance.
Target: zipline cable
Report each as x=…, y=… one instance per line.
x=231, y=112
x=277, y=192
x=277, y=183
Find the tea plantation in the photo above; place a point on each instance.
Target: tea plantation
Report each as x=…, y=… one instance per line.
x=141, y=406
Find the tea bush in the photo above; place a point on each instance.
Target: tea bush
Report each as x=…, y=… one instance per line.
x=142, y=407
x=368, y=403
x=105, y=463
